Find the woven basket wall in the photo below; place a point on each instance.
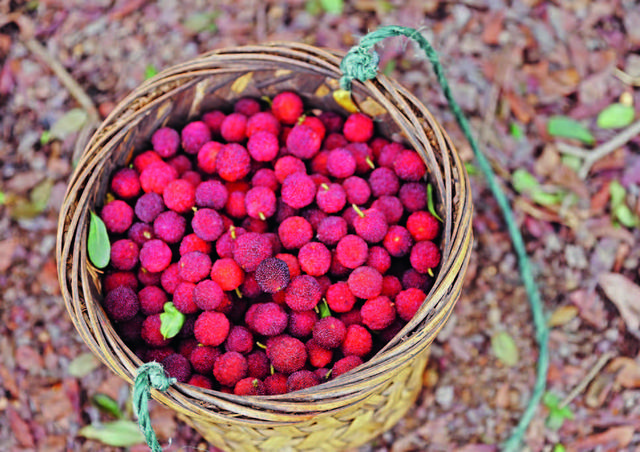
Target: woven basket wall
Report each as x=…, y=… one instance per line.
x=353, y=408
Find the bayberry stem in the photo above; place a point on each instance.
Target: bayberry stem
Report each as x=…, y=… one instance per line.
x=358, y=211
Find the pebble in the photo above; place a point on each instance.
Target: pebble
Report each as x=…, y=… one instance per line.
x=444, y=396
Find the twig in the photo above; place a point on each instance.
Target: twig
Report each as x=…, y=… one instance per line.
x=606, y=148
x=626, y=78
x=602, y=361
x=65, y=78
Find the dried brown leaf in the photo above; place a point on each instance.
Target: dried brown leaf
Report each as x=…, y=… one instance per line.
x=21, y=429
x=563, y=315
x=628, y=371
x=625, y=294
x=613, y=439
x=240, y=84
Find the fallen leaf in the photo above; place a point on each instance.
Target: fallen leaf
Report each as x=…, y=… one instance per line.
x=20, y=429
x=591, y=308
x=72, y=121
x=107, y=404
x=240, y=84
x=628, y=371
x=343, y=98
x=505, y=349
x=120, y=433
x=616, y=116
x=565, y=127
x=83, y=365
x=7, y=247
x=332, y=6
x=615, y=438
x=563, y=315
x=625, y=295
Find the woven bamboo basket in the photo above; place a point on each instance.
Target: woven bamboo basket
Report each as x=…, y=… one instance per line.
x=341, y=413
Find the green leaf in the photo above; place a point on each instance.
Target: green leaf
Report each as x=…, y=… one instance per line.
x=617, y=194
x=516, y=131
x=472, y=170
x=324, y=309
x=150, y=71
x=98, y=243
x=625, y=216
x=107, y=404
x=332, y=6
x=550, y=400
x=72, y=121
x=565, y=127
x=120, y=433
x=555, y=420
x=198, y=22
x=389, y=67
x=430, y=203
x=45, y=137
x=545, y=198
x=523, y=181
x=505, y=349
x=313, y=7
x=616, y=116
x=83, y=365
x=171, y=321
x=3, y=198
x=40, y=194
x=559, y=448
x=572, y=161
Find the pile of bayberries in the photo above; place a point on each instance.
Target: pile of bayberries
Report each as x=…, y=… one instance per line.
x=267, y=249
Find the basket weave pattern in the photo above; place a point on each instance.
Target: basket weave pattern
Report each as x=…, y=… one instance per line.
x=346, y=411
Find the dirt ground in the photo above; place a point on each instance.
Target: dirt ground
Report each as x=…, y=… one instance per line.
x=515, y=67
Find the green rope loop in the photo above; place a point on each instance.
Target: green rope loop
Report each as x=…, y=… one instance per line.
x=358, y=65
x=149, y=375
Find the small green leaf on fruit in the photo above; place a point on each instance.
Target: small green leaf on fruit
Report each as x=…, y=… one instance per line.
x=616, y=116
x=98, y=244
x=150, y=71
x=523, y=181
x=83, y=365
x=431, y=204
x=171, y=321
x=565, y=127
x=120, y=433
x=324, y=309
x=107, y=404
x=72, y=121
x=505, y=349
x=332, y=6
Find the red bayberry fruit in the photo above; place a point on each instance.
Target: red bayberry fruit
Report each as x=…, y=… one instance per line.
x=287, y=107
x=358, y=128
x=272, y=275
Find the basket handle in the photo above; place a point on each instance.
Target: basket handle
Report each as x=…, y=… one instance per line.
x=149, y=375
x=361, y=63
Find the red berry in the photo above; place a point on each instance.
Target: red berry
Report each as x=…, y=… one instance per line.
x=383, y=181
x=413, y=196
x=207, y=224
x=208, y=295
x=194, y=136
x=339, y=297
x=408, y=302
x=398, y=241
x=409, y=166
x=233, y=162
x=303, y=293
x=303, y=141
x=124, y=254
x=263, y=121
x=357, y=190
x=121, y=304
x=213, y=120
x=331, y=198
x=357, y=341
x=125, y=183
x=295, y=232
x=251, y=249
x=423, y=226
x=165, y=142
x=301, y=323
x=263, y=146
x=341, y=163
x=371, y=225
x=260, y=202
x=352, y=251
x=379, y=259
x=331, y=230
x=272, y=275
x=117, y=216
x=298, y=190
x=319, y=356
x=170, y=226
x=155, y=255
x=329, y=332
x=230, y=368
x=358, y=128
x=287, y=354
x=149, y=206
x=211, y=328
x=345, y=364
x=227, y=273
x=288, y=165
x=179, y=196
x=150, y=332
x=233, y=128
x=314, y=259
x=207, y=156
x=287, y=107
x=425, y=255
x=365, y=282
x=378, y=313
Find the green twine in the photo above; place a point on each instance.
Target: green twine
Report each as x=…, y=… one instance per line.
x=150, y=375
x=361, y=63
